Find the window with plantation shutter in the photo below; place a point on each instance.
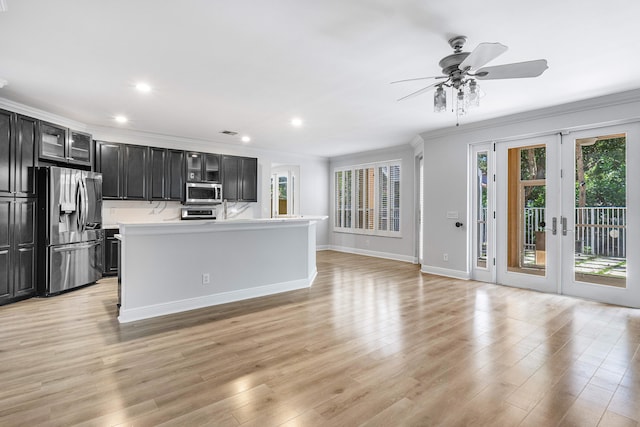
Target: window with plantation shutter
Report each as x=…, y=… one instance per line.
x=367, y=199
x=343, y=198
x=394, y=198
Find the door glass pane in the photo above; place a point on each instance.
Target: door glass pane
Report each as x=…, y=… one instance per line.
x=274, y=213
x=52, y=141
x=282, y=195
x=533, y=233
x=194, y=167
x=80, y=147
x=481, y=209
x=526, y=203
x=601, y=210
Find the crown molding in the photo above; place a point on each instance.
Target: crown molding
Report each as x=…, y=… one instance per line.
x=36, y=113
x=416, y=142
x=130, y=136
x=147, y=138
x=617, y=99
x=393, y=150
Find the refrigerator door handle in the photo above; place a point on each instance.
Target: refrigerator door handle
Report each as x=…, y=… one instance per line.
x=74, y=247
x=79, y=206
x=85, y=201
x=81, y=201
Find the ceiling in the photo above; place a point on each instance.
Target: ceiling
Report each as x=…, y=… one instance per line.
x=251, y=65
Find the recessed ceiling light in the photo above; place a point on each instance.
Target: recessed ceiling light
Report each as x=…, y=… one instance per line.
x=246, y=139
x=143, y=87
x=296, y=122
x=121, y=119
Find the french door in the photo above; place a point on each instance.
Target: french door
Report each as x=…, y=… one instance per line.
x=599, y=215
x=566, y=220
x=527, y=211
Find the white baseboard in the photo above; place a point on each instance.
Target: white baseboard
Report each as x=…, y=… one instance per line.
x=149, y=311
x=323, y=248
x=456, y=274
x=385, y=255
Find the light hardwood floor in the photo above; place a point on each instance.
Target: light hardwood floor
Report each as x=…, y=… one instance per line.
x=373, y=342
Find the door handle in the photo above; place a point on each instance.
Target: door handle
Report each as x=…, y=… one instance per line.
x=85, y=200
x=554, y=226
x=75, y=247
x=79, y=206
x=563, y=219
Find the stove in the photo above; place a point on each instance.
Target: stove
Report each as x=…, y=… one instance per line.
x=198, y=212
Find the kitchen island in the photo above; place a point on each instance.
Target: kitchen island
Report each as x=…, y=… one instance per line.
x=170, y=267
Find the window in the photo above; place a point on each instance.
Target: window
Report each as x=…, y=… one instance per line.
x=367, y=199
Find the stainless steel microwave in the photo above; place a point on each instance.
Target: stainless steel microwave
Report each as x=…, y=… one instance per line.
x=203, y=193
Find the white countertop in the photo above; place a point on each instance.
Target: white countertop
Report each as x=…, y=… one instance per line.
x=221, y=221
x=206, y=225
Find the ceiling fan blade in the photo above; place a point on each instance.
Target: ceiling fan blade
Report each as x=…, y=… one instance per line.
x=482, y=54
x=418, y=92
x=517, y=70
x=420, y=78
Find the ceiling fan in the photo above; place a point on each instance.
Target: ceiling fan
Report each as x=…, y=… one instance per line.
x=461, y=70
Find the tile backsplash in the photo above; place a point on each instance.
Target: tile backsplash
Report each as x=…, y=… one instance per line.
x=115, y=211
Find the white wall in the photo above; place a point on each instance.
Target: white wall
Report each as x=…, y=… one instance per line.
x=446, y=168
x=400, y=248
x=314, y=188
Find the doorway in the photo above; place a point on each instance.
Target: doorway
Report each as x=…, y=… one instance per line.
x=527, y=182
x=420, y=210
x=285, y=193
x=564, y=218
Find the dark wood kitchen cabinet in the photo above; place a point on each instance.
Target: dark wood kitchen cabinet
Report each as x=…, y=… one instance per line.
x=174, y=184
x=111, y=247
x=203, y=167
x=17, y=249
x=17, y=206
x=166, y=174
x=135, y=172
x=109, y=163
x=17, y=155
x=124, y=170
x=239, y=179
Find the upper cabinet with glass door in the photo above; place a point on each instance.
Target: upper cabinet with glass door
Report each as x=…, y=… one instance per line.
x=61, y=145
x=203, y=167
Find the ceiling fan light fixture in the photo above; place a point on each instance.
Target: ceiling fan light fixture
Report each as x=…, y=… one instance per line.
x=439, y=100
x=462, y=102
x=474, y=94
x=461, y=70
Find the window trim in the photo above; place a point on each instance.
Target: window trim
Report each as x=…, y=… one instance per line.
x=340, y=212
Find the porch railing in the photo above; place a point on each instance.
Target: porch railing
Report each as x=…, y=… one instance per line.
x=599, y=231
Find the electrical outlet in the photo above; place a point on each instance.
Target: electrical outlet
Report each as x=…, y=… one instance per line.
x=445, y=257
x=206, y=279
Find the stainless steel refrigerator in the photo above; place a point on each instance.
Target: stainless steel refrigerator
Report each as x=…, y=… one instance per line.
x=69, y=229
